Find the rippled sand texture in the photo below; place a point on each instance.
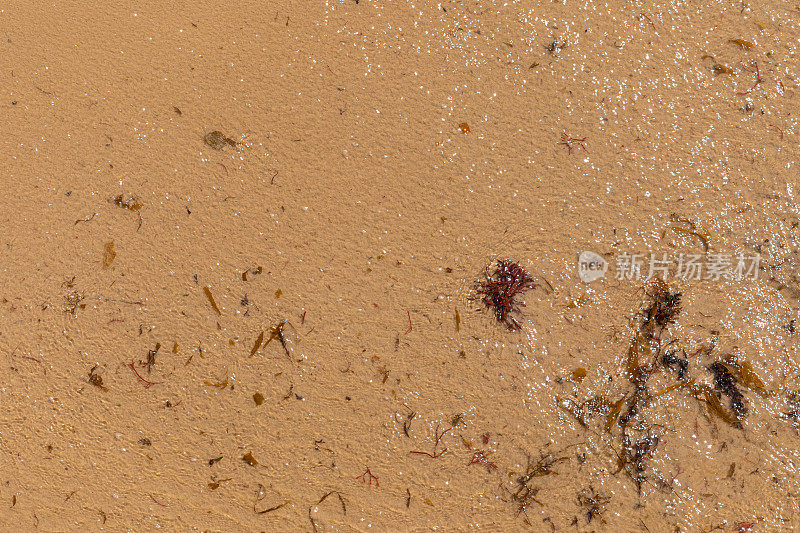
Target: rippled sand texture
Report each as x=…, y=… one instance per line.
x=336, y=177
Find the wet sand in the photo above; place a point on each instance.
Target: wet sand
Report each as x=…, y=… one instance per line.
x=243, y=246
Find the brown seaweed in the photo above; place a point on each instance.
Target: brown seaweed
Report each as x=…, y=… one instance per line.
x=276, y=332
x=671, y=360
x=218, y=140
x=130, y=202
x=744, y=45
x=108, y=254
x=594, y=504
x=151, y=357
x=210, y=297
x=634, y=457
x=96, y=379
x=525, y=492
x=324, y=497
x=249, y=459
x=684, y=225
x=715, y=406
x=257, y=344
x=664, y=304
x=725, y=382
x=613, y=415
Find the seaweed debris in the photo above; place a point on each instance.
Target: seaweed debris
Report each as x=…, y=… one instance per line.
x=644, y=357
x=108, y=254
x=218, y=140
x=671, y=360
x=725, y=383
x=277, y=332
x=525, y=492
x=96, y=379
x=594, y=504
x=130, y=202
x=500, y=289
x=664, y=306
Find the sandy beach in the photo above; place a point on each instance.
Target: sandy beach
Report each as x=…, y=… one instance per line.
x=323, y=266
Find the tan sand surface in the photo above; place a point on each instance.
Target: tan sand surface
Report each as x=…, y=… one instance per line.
x=243, y=246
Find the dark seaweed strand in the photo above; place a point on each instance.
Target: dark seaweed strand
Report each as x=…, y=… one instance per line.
x=725, y=382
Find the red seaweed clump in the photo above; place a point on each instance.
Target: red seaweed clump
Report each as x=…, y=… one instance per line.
x=501, y=288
